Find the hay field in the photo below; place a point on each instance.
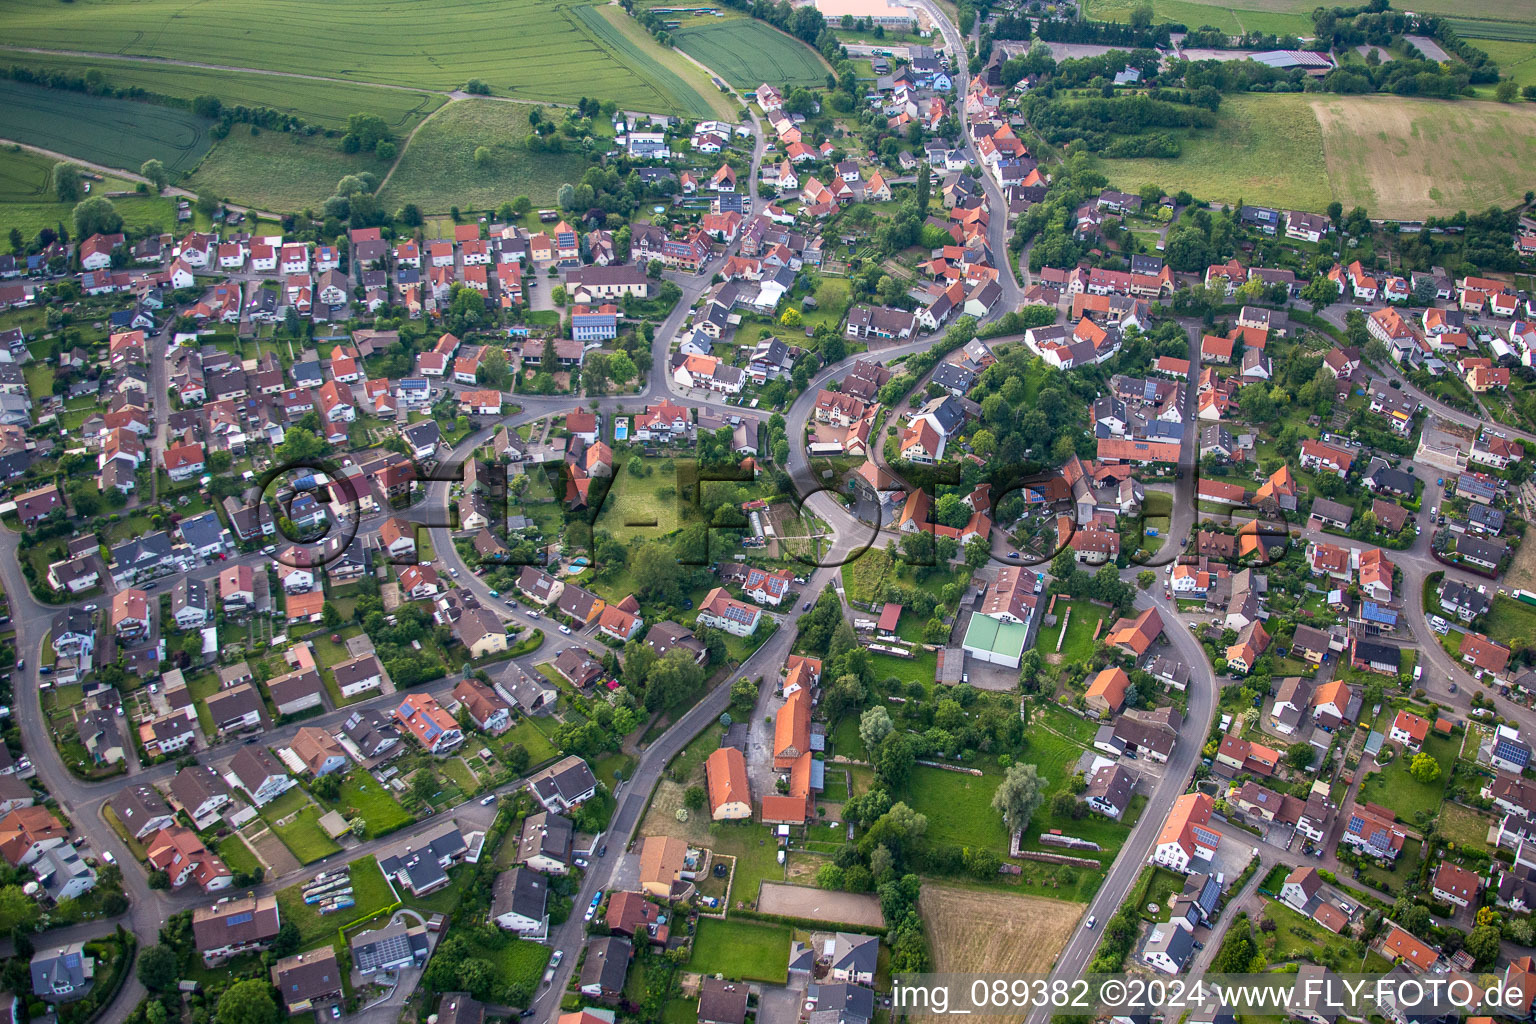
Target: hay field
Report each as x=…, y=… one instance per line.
x=991, y=931
x=526, y=49
x=1398, y=157
x=1407, y=158
x=438, y=168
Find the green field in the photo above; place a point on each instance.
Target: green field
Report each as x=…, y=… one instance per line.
x=1398, y=157
x=1277, y=16
x=747, y=52
x=361, y=794
x=743, y=950
x=324, y=104
x=1394, y=788
x=370, y=893
x=438, y=168
x=526, y=50
x=1511, y=621
x=305, y=838
x=1517, y=60
x=27, y=201
x=237, y=856
x=679, y=84
x=117, y=133
x=278, y=171
x=1079, y=644
x=959, y=808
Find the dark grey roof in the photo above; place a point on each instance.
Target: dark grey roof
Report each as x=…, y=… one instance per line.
x=519, y=891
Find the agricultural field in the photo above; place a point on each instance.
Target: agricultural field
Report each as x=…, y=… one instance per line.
x=1387, y=153
x=1390, y=153
x=324, y=104
x=278, y=171
x=27, y=200
x=677, y=80
x=525, y=49
x=987, y=931
x=1277, y=16
x=117, y=133
x=747, y=52
x=438, y=167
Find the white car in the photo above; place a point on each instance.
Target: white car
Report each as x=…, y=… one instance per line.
x=1092, y=920
x=565, y=629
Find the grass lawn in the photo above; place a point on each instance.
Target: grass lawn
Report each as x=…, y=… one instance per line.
x=1464, y=826
x=745, y=950
x=1404, y=870
x=515, y=960
x=1079, y=643
x=285, y=805
x=1394, y=787
x=642, y=506
x=920, y=669
x=361, y=794
x=28, y=203
x=370, y=891
x=1062, y=721
x=1510, y=620
x=456, y=770
x=439, y=168
x=238, y=856
x=958, y=807
x=1297, y=937
x=305, y=838
x=530, y=738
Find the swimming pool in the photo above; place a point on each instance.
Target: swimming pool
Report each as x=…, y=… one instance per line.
x=620, y=429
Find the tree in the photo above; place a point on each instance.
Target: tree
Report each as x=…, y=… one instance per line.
x=1141, y=17
x=1424, y=768
x=674, y=681
x=893, y=763
x=1299, y=756
x=1321, y=292
x=693, y=798
x=159, y=968
x=1483, y=941
x=66, y=183
x=1507, y=91
x=898, y=828
x=791, y=318
x=483, y=156
x=874, y=726
x=248, y=1002
x=1019, y=795
x=565, y=198
x=96, y=215
x=155, y=171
